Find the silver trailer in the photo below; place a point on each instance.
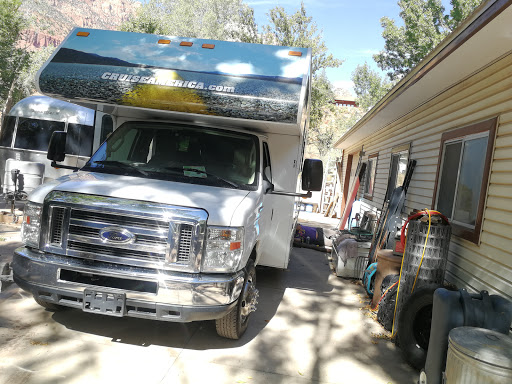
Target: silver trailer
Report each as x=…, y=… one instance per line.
x=26, y=132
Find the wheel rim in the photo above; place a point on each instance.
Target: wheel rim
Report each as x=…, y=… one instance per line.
x=249, y=300
x=421, y=326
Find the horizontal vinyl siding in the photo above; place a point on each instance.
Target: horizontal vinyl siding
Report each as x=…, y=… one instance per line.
x=483, y=96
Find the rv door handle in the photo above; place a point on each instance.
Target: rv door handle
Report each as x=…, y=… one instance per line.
x=260, y=209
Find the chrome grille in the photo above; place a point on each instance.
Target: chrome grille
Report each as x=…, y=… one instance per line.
x=57, y=225
x=185, y=244
x=106, y=218
x=157, y=235
x=114, y=251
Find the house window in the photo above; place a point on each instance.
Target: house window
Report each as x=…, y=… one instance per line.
x=398, y=168
x=462, y=177
x=369, y=177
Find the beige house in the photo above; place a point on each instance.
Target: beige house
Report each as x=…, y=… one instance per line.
x=453, y=115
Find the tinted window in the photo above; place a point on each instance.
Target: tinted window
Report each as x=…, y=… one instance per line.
x=35, y=134
x=79, y=140
x=107, y=126
x=7, y=131
x=267, y=167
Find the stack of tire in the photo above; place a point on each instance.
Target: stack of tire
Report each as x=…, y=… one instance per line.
x=414, y=307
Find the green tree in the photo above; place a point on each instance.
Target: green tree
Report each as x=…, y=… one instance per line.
x=425, y=25
x=25, y=82
x=13, y=58
x=299, y=30
x=231, y=20
x=369, y=86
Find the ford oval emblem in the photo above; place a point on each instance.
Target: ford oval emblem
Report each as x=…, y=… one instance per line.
x=116, y=235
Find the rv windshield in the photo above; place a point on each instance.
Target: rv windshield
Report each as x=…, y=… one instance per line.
x=180, y=153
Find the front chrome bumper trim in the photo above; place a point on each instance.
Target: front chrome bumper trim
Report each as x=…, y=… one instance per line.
x=178, y=296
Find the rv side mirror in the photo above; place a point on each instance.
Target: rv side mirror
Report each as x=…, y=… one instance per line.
x=312, y=175
x=57, y=146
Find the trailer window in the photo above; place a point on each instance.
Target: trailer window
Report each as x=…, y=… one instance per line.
x=79, y=139
x=35, y=134
x=7, y=131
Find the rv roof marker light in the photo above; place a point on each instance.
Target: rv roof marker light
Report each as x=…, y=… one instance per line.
x=294, y=53
x=83, y=34
x=208, y=46
x=163, y=41
x=186, y=43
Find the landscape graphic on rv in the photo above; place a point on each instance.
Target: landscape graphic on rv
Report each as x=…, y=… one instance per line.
x=241, y=80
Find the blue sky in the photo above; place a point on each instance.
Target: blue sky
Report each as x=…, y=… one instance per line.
x=351, y=29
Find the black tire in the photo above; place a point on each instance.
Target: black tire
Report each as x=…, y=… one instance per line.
x=387, y=302
x=235, y=323
x=414, y=324
x=48, y=305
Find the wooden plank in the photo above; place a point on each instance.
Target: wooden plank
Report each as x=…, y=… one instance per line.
x=485, y=268
x=504, y=141
x=504, y=153
x=499, y=203
x=496, y=241
x=477, y=284
x=504, y=191
x=499, y=229
x=498, y=216
x=501, y=165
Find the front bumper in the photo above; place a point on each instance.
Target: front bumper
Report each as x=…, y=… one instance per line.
x=150, y=293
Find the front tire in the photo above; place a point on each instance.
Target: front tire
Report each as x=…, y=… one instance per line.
x=235, y=323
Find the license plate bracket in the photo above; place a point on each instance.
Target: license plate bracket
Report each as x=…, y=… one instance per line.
x=105, y=303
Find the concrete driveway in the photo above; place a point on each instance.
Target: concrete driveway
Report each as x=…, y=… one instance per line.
x=309, y=328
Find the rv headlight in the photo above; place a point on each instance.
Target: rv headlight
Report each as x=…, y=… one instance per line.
x=224, y=248
x=31, y=227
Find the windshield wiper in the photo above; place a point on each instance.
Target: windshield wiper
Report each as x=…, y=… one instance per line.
x=198, y=170
x=120, y=164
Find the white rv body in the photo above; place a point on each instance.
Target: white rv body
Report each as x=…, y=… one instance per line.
x=171, y=242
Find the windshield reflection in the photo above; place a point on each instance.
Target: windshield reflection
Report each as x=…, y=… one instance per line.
x=180, y=153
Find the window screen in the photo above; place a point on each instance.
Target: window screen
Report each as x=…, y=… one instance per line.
x=461, y=179
x=35, y=134
x=369, y=176
x=7, y=131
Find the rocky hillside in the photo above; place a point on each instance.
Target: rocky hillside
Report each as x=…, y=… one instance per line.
x=53, y=19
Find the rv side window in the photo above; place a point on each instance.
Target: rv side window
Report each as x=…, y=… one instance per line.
x=7, y=131
x=79, y=140
x=107, y=126
x=267, y=168
x=35, y=134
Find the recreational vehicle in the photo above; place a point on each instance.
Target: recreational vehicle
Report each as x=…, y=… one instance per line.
x=198, y=183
